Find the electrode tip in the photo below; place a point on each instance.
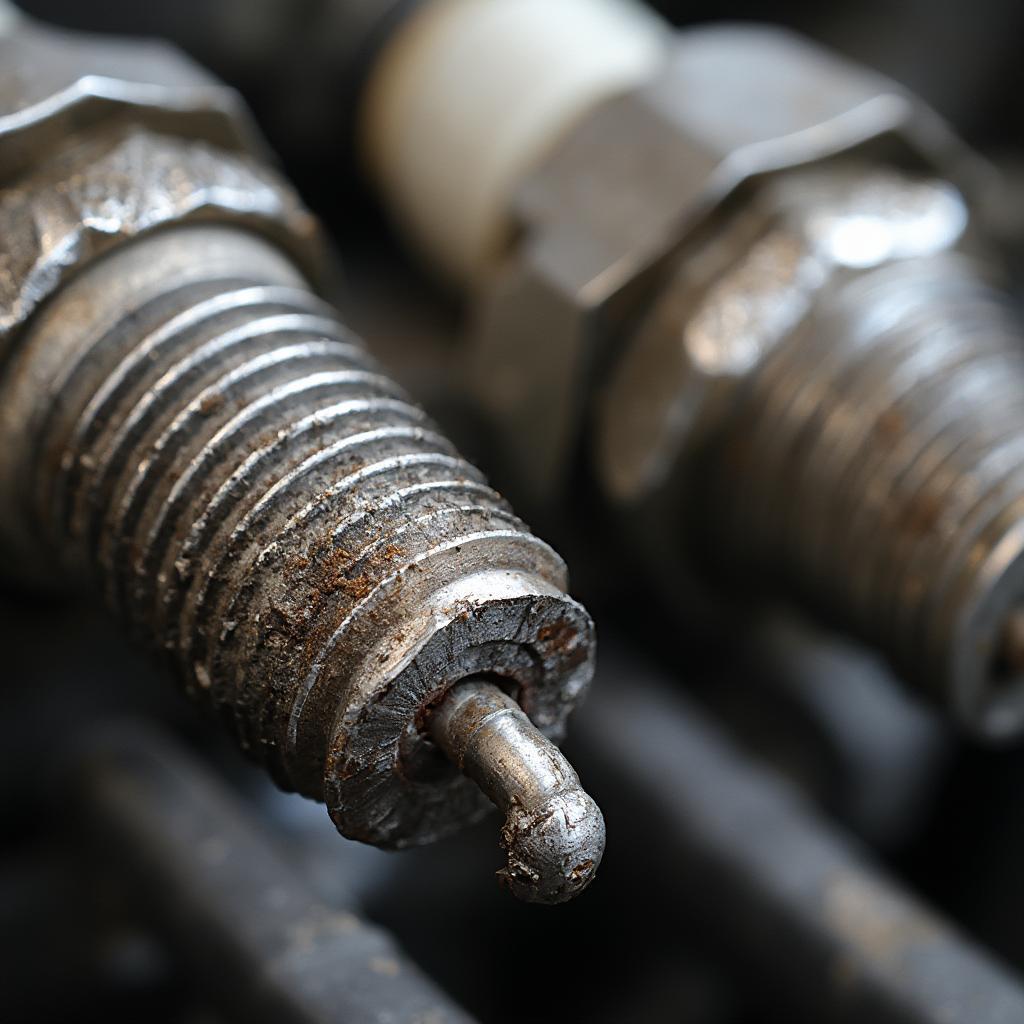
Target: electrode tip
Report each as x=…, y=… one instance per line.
x=554, y=832
x=553, y=851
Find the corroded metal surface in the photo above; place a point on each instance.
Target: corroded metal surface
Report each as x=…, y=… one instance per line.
x=189, y=427
x=554, y=832
x=827, y=392
x=55, y=84
x=102, y=141
x=123, y=185
x=259, y=502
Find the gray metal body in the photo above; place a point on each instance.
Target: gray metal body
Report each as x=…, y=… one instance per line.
x=188, y=427
x=746, y=293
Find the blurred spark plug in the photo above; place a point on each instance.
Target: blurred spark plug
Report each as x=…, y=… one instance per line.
x=188, y=425
x=738, y=271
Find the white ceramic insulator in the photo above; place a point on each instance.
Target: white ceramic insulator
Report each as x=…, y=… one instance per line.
x=9, y=14
x=472, y=93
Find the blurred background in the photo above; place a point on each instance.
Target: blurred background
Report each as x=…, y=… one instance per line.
x=773, y=759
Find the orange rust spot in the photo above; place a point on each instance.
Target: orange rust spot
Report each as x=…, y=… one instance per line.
x=891, y=425
x=560, y=636
x=211, y=404
x=921, y=515
x=321, y=572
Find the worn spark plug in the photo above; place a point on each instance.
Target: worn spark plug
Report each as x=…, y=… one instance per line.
x=750, y=274
x=188, y=425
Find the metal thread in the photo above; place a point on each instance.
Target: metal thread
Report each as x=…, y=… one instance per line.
x=244, y=483
x=876, y=468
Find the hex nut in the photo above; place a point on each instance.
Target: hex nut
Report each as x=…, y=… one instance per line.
x=630, y=185
x=732, y=301
x=88, y=161
x=51, y=90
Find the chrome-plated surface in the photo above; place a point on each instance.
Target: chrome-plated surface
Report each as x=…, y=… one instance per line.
x=554, y=832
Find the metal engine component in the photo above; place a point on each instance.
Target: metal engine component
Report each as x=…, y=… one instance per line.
x=829, y=406
x=306, y=60
x=824, y=933
x=553, y=830
x=186, y=424
x=751, y=286
x=624, y=193
x=195, y=868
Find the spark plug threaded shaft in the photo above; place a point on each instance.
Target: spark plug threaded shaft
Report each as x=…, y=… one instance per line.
x=875, y=466
x=189, y=425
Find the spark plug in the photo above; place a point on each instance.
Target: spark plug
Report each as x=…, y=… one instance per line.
x=189, y=427
x=753, y=276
